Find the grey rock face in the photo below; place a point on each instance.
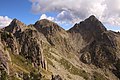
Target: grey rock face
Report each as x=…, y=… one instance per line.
x=100, y=45
x=4, y=63
x=56, y=77
x=9, y=41
x=31, y=49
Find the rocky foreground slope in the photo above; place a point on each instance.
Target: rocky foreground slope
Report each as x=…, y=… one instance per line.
x=45, y=51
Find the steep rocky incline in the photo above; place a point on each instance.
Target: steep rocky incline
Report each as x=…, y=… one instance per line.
x=54, y=34
x=101, y=45
x=89, y=29
x=45, y=51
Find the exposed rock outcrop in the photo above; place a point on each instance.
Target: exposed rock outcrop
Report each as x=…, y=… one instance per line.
x=31, y=49
x=4, y=67
x=100, y=47
x=56, y=77
x=8, y=41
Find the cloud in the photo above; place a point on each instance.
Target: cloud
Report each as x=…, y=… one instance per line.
x=108, y=11
x=67, y=17
x=4, y=21
x=44, y=16
x=117, y=30
x=112, y=12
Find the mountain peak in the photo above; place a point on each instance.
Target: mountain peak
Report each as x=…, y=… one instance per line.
x=90, y=24
x=16, y=22
x=46, y=26
x=45, y=22
x=92, y=18
x=15, y=26
x=93, y=23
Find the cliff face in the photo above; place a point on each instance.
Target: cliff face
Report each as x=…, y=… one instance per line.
x=87, y=51
x=101, y=45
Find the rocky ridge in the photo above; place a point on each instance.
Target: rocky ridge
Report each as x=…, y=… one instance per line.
x=45, y=51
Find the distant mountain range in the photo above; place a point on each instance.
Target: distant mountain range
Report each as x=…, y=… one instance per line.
x=45, y=51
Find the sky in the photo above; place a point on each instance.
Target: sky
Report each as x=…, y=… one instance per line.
x=66, y=13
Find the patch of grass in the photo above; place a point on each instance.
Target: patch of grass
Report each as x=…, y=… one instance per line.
x=45, y=79
x=72, y=69
x=70, y=55
x=98, y=76
x=21, y=63
x=69, y=76
x=118, y=64
x=50, y=62
x=13, y=78
x=53, y=51
x=49, y=55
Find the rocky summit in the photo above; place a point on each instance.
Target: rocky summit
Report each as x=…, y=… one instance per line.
x=45, y=51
